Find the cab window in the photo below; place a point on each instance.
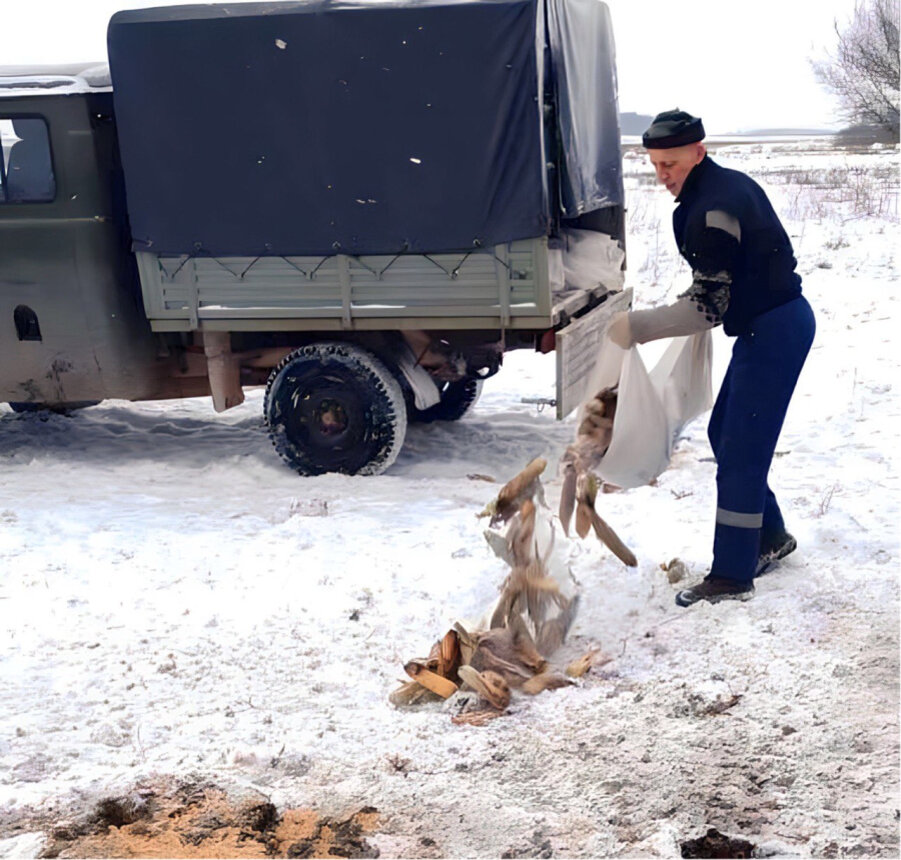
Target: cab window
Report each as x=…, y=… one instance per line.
x=26, y=169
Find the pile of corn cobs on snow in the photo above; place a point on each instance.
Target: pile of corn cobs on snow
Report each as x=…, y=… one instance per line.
x=511, y=649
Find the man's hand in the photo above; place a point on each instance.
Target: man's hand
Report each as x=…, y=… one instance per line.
x=620, y=330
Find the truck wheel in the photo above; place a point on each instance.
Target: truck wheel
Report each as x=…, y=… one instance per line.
x=457, y=398
x=334, y=407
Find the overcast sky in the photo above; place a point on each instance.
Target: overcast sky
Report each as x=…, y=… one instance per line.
x=739, y=64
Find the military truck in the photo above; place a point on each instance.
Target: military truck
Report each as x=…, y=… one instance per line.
x=361, y=206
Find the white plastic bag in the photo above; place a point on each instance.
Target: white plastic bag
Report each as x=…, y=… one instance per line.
x=682, y=378
x=651, y=407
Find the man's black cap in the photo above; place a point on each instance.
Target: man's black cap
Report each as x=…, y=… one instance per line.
x=673, y=128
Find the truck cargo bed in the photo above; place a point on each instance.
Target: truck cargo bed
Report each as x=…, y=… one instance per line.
x=505, y=287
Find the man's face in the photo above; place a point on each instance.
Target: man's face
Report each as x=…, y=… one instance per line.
x=674, y=165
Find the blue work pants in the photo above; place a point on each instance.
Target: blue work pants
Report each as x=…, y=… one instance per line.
x=744, y=427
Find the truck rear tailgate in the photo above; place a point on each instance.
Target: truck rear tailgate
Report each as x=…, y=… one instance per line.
x=577, y=346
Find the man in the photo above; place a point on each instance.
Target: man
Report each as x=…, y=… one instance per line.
x=743, y=269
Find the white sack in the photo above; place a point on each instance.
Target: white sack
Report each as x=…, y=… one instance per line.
x=682, y=377
x=584, y=260
x=591, y=259
x=651, y=407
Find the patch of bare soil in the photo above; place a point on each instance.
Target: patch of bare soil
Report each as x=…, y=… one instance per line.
x=191, y=819
x=715, y=844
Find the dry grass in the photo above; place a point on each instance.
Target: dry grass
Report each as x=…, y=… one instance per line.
x=864, y=184
x=848, y=191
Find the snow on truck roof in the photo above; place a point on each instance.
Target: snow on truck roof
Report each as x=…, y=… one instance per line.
x=54, y=79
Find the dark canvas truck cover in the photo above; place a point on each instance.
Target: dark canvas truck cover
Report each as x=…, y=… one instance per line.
x=324, y=128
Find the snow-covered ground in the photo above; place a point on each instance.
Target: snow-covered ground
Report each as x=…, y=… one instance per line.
x=175, y=601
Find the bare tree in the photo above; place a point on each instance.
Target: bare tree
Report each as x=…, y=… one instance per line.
x=863, y=71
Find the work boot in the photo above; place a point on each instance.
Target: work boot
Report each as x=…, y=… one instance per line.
x=713, y=589
x=773, y=549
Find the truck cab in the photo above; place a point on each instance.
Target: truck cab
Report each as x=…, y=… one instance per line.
x=74, y=325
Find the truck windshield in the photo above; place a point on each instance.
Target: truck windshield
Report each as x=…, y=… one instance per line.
x=26, y=169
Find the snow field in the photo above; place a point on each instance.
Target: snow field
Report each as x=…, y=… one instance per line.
x=174, y=600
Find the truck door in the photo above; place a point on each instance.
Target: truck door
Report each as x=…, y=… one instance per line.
x=43, y=332
x=71, y=325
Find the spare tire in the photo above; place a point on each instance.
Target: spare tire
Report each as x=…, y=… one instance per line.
x=457, y=398
x=335, y=407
